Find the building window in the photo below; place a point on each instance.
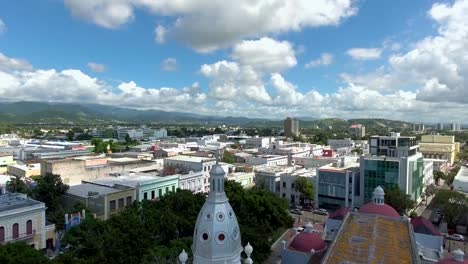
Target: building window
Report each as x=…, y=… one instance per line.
x=145, y=196
x=292, y=185
x=173, y=188
x=284, y=184
x=167, y=189
x=2, y=234
x=160, y=193
x=129, y=200
x=112, y=205
x=121, y=203
x=153, y=194
x=29, y=228
x=15, y=231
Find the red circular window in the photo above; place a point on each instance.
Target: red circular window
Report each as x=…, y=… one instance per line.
x=221, y=237
x=205, y=236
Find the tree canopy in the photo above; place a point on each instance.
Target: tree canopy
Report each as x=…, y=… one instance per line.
x=15, y=184
x=21, y=253
x=453, y=205
x=397, y=199
x=228, y=157
x=305, y=187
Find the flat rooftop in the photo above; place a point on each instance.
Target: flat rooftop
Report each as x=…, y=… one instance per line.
x=462, y=174
x=82, y=190
x=367, y=238
x=3, y=154
x=189, y=158
x=131, y=180
x=330, y=167
x=11, y=201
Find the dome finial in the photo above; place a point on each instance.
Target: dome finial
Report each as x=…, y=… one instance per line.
x=248, y=251
x=378, y=195
x=183, y=257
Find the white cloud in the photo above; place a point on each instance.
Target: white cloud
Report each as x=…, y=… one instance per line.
x=364, y=54
x=209, y=25
x=169, y=64
x=3, y=27
x=12, y=64
x=160, y=34
x=96, y=67
x=324, y=60
x=19, y=81
x=265, y=54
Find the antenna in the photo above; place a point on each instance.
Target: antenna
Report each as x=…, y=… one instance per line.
x=217, y=153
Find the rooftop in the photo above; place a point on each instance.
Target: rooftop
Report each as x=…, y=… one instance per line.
x=2, y=154
x=333, y=168
x=83, y=190
x=11, y=201
x=372, y=239
x=131, y=180
x=462, y=174
x=32, y=166
x=189, y=158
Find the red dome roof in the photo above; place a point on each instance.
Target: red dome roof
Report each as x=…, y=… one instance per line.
x=305, y=242
x=379, y=209
x=339, y=214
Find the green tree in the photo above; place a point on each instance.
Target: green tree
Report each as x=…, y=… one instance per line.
x=108, y=133
x=21, y=253
x=15, y=184
x=453, y=204
x=305, y=187
x=357, y=150
x=228, y=157
x=437, y=175
x=70, y=135
x=128, y=139
x=49, y=190
x=397, y=199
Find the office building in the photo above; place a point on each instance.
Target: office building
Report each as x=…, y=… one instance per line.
x=267, y=160
x=460, y=183
x=440, y=126
x=340, y=143
x=357, y=131
x=258, y=142
x=291, y=127
x=439, y=147
x=338, y=185
x=393, y=161
x=455, y=127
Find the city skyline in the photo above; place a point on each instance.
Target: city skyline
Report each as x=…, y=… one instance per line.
x=326, y=59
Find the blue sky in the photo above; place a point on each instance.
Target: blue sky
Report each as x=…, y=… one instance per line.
x=239, y=59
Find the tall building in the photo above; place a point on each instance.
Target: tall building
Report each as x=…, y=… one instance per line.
x=418, y=127
x=338, y=185
x=291, y=127
x=393, y=161
x=217, y=238
x=440, y=126
x=455, y=127
x=357, y=131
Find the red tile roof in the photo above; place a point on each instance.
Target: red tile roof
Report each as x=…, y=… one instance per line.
x=379, y=209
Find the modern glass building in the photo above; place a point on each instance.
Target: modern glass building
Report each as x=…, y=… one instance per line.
x=393, y=161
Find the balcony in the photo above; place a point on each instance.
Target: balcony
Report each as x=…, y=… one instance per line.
x=21, y=237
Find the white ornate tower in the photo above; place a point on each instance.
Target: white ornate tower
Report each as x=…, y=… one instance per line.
x=378, y=195
x=216, y=239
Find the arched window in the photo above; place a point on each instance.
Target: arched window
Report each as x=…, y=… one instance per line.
x=214, y=185
x=219, y=185
x=2, y=234
x=29, y=228
x=15, y=231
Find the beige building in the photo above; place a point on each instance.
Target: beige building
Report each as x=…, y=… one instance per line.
x=103, y=201
x=439, y=147
x=291, y=127
x=25, y=170
x=73, y=171
x=23, y=219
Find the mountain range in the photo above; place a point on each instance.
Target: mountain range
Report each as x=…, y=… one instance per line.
x=72, y=113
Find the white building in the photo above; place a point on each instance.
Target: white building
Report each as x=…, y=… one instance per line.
x=268, y=160
x=190, y=163
x=340, y=143
x=296, y=149
x=428, y=173
x=288, y=185
x=460, y=183
x=258, y=142
x=194, y=181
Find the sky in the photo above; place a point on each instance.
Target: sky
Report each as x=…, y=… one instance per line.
x=394, y=59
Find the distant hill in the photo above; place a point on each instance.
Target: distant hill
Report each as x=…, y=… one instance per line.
x=72, y=113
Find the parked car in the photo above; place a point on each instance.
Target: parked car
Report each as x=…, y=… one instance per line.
x=296, y=211
x=321, y=212
x=308, y=208
x=457, y=237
